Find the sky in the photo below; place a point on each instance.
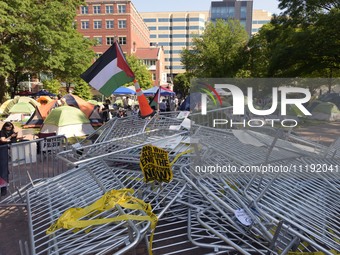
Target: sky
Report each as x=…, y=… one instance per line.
x=194, y=5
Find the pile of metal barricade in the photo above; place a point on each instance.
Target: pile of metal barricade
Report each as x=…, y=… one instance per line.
x=232, y=192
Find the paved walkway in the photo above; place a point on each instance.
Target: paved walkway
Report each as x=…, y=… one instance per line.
x=324, y=133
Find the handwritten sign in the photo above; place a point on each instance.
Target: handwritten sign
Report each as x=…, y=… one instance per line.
x=155, y=164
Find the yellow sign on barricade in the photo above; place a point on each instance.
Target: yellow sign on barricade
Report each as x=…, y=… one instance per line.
x=155, y=164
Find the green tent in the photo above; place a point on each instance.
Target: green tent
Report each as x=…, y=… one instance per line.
x=67, y=120
x=6, y=106
x=326, y=111
x=25, y=108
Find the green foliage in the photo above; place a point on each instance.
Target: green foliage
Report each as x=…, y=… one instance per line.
x=302, y=42
x=182, y=84
x=53, y=86
x=39, y=36
x=142, y=74
x=216, y=53
x=83, y=90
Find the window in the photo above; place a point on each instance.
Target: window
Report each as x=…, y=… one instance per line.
x=163, y=44
x=110, y=40
x=84, y=10
x=149, y=20
x=96, y=9
x=153, y=36
x=243, y=12
x=85, y=25
x=99, y=40
x=109, y=24
x=108, y=8
x=153, y=76
x=164, y=36
x=97, y=24
x=163, y=20
x=163, y=28
x=179, y=19
x=121, y=8
x=149, y=62
x=179, y=28
x=121, y=23
x=180, y=36
x=152, y=28
x=98, y=55
x=179, y=44
x=122, y=40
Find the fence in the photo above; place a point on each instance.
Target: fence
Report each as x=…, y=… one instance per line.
x=33, y=160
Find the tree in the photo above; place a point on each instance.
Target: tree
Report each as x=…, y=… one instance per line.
x=83, y=90
x=38, y=36
x=142, y=74
x=303, y=44
x=216, y=53
x=182, y=84
x=52, y=86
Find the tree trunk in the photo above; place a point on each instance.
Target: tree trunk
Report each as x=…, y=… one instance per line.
x=330, y=81
x=3, y=89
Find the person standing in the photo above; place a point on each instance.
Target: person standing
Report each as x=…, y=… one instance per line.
x=106, y=110
x=7, y=136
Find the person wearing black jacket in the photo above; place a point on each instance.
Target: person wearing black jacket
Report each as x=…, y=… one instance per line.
x=7, y=134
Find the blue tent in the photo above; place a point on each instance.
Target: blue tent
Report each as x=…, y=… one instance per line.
x=44, y=93
x=191, y=102
x=124, y=91
x=153, y=90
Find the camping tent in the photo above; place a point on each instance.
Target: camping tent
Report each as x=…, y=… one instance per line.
x=22, y=107
x=6, y=107
x=191, y=102
x=40, y=114
x=331, y=97
x=44, y=99
x=90, y=110
x=44, y=93
x=153, y=90
x=124, y=91
x=20, y=112
x=68, y=121
x=326, y=111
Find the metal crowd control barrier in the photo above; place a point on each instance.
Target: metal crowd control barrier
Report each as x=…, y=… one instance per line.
x=199, y=211
x=109, y=148
x=251, y=152
x=82, y=186
x=131, y=125
x=307, y=203
x=36, y=159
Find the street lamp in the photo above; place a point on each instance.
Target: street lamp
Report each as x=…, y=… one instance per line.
x=29, y=82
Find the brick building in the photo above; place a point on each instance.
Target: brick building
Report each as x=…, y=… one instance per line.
x=106, y=20
x=153, y=58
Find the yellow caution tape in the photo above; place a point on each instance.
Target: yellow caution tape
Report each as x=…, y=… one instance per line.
x=313, y=253
x=179, y=155
x=306, y=253
x=71, y=217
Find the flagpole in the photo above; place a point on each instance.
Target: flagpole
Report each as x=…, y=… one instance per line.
x=158, y=100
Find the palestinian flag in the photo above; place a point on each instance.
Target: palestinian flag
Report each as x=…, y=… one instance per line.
x=109, y=72
x=156, y=99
